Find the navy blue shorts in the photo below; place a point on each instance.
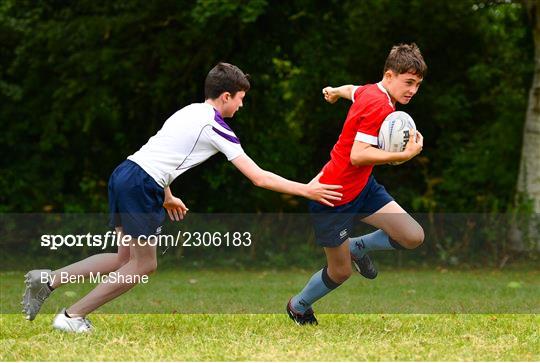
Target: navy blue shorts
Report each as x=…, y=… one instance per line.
x=334, y=224
x=135, y=201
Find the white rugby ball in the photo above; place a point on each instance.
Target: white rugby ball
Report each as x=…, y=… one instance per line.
x=395, y=132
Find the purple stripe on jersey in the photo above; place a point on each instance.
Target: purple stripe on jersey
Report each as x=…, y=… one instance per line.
x=219, y=119
x=227, y=136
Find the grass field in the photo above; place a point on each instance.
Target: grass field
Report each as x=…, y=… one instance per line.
x=502, y=323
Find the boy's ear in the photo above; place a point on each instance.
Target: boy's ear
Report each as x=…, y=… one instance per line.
x=389, y=74
x=225, y=96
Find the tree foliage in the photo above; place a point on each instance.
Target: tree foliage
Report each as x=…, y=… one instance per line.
x=84, y=84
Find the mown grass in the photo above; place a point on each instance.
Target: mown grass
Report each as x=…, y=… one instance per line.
x=371, y=325
x=272, y=337
x=232, y=291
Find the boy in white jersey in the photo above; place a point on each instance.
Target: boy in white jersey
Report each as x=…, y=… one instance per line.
x=139, y=194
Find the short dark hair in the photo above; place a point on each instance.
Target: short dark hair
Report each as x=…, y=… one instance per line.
x=405, y=58
x=225, y=77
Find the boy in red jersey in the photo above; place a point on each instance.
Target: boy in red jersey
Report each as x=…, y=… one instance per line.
x=352, y=160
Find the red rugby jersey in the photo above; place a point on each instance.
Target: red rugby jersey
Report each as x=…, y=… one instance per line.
x=371, y=105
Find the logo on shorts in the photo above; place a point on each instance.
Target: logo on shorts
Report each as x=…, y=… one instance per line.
x=343, y=233
x=158, y=230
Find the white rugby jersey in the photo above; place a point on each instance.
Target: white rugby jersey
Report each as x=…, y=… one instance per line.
x=188, y=138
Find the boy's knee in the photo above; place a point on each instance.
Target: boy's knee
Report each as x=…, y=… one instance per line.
x=151, y=267
x=417, y=238
x=340, y=274
x=147, y=267
x=412, y=239
x=121, y=261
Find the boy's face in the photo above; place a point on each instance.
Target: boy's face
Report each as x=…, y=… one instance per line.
x=232, y=104
x=402, y=87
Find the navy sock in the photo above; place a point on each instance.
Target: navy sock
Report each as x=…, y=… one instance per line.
x=375, y=241
x=318, y=286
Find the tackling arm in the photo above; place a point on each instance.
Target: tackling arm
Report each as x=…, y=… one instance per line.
x=314, y=190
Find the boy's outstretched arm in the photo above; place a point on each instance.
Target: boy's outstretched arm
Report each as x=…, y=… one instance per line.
x=322, y=193
x=332, y=94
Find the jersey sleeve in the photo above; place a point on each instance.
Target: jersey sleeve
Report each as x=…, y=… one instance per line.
x=355, y=92
x=225, y=141
x=370, y=121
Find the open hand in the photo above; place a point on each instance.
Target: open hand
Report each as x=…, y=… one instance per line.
x=175, y=208
x=322, y=193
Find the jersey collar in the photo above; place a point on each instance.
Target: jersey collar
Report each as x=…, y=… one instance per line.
x=386, y=93
x=219, y=118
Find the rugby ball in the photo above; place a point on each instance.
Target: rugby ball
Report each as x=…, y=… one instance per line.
x=395, y=132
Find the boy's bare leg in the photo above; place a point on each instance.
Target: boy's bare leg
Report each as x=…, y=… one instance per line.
x=397, y=230
x=143, y=261
x=339, y=262
x=38, y=290
x=321, y=283
x=103, y=263
x=398, y=224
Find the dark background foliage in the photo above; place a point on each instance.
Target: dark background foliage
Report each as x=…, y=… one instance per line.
x=84, y=84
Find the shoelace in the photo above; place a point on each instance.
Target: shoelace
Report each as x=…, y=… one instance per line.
x=87, y=323
x=42, y=294
x=41, y=297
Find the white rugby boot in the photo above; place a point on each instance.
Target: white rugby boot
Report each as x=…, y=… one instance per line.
x=36, y=292
x=72, y=325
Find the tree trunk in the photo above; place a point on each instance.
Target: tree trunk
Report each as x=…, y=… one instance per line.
x=528, y=184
